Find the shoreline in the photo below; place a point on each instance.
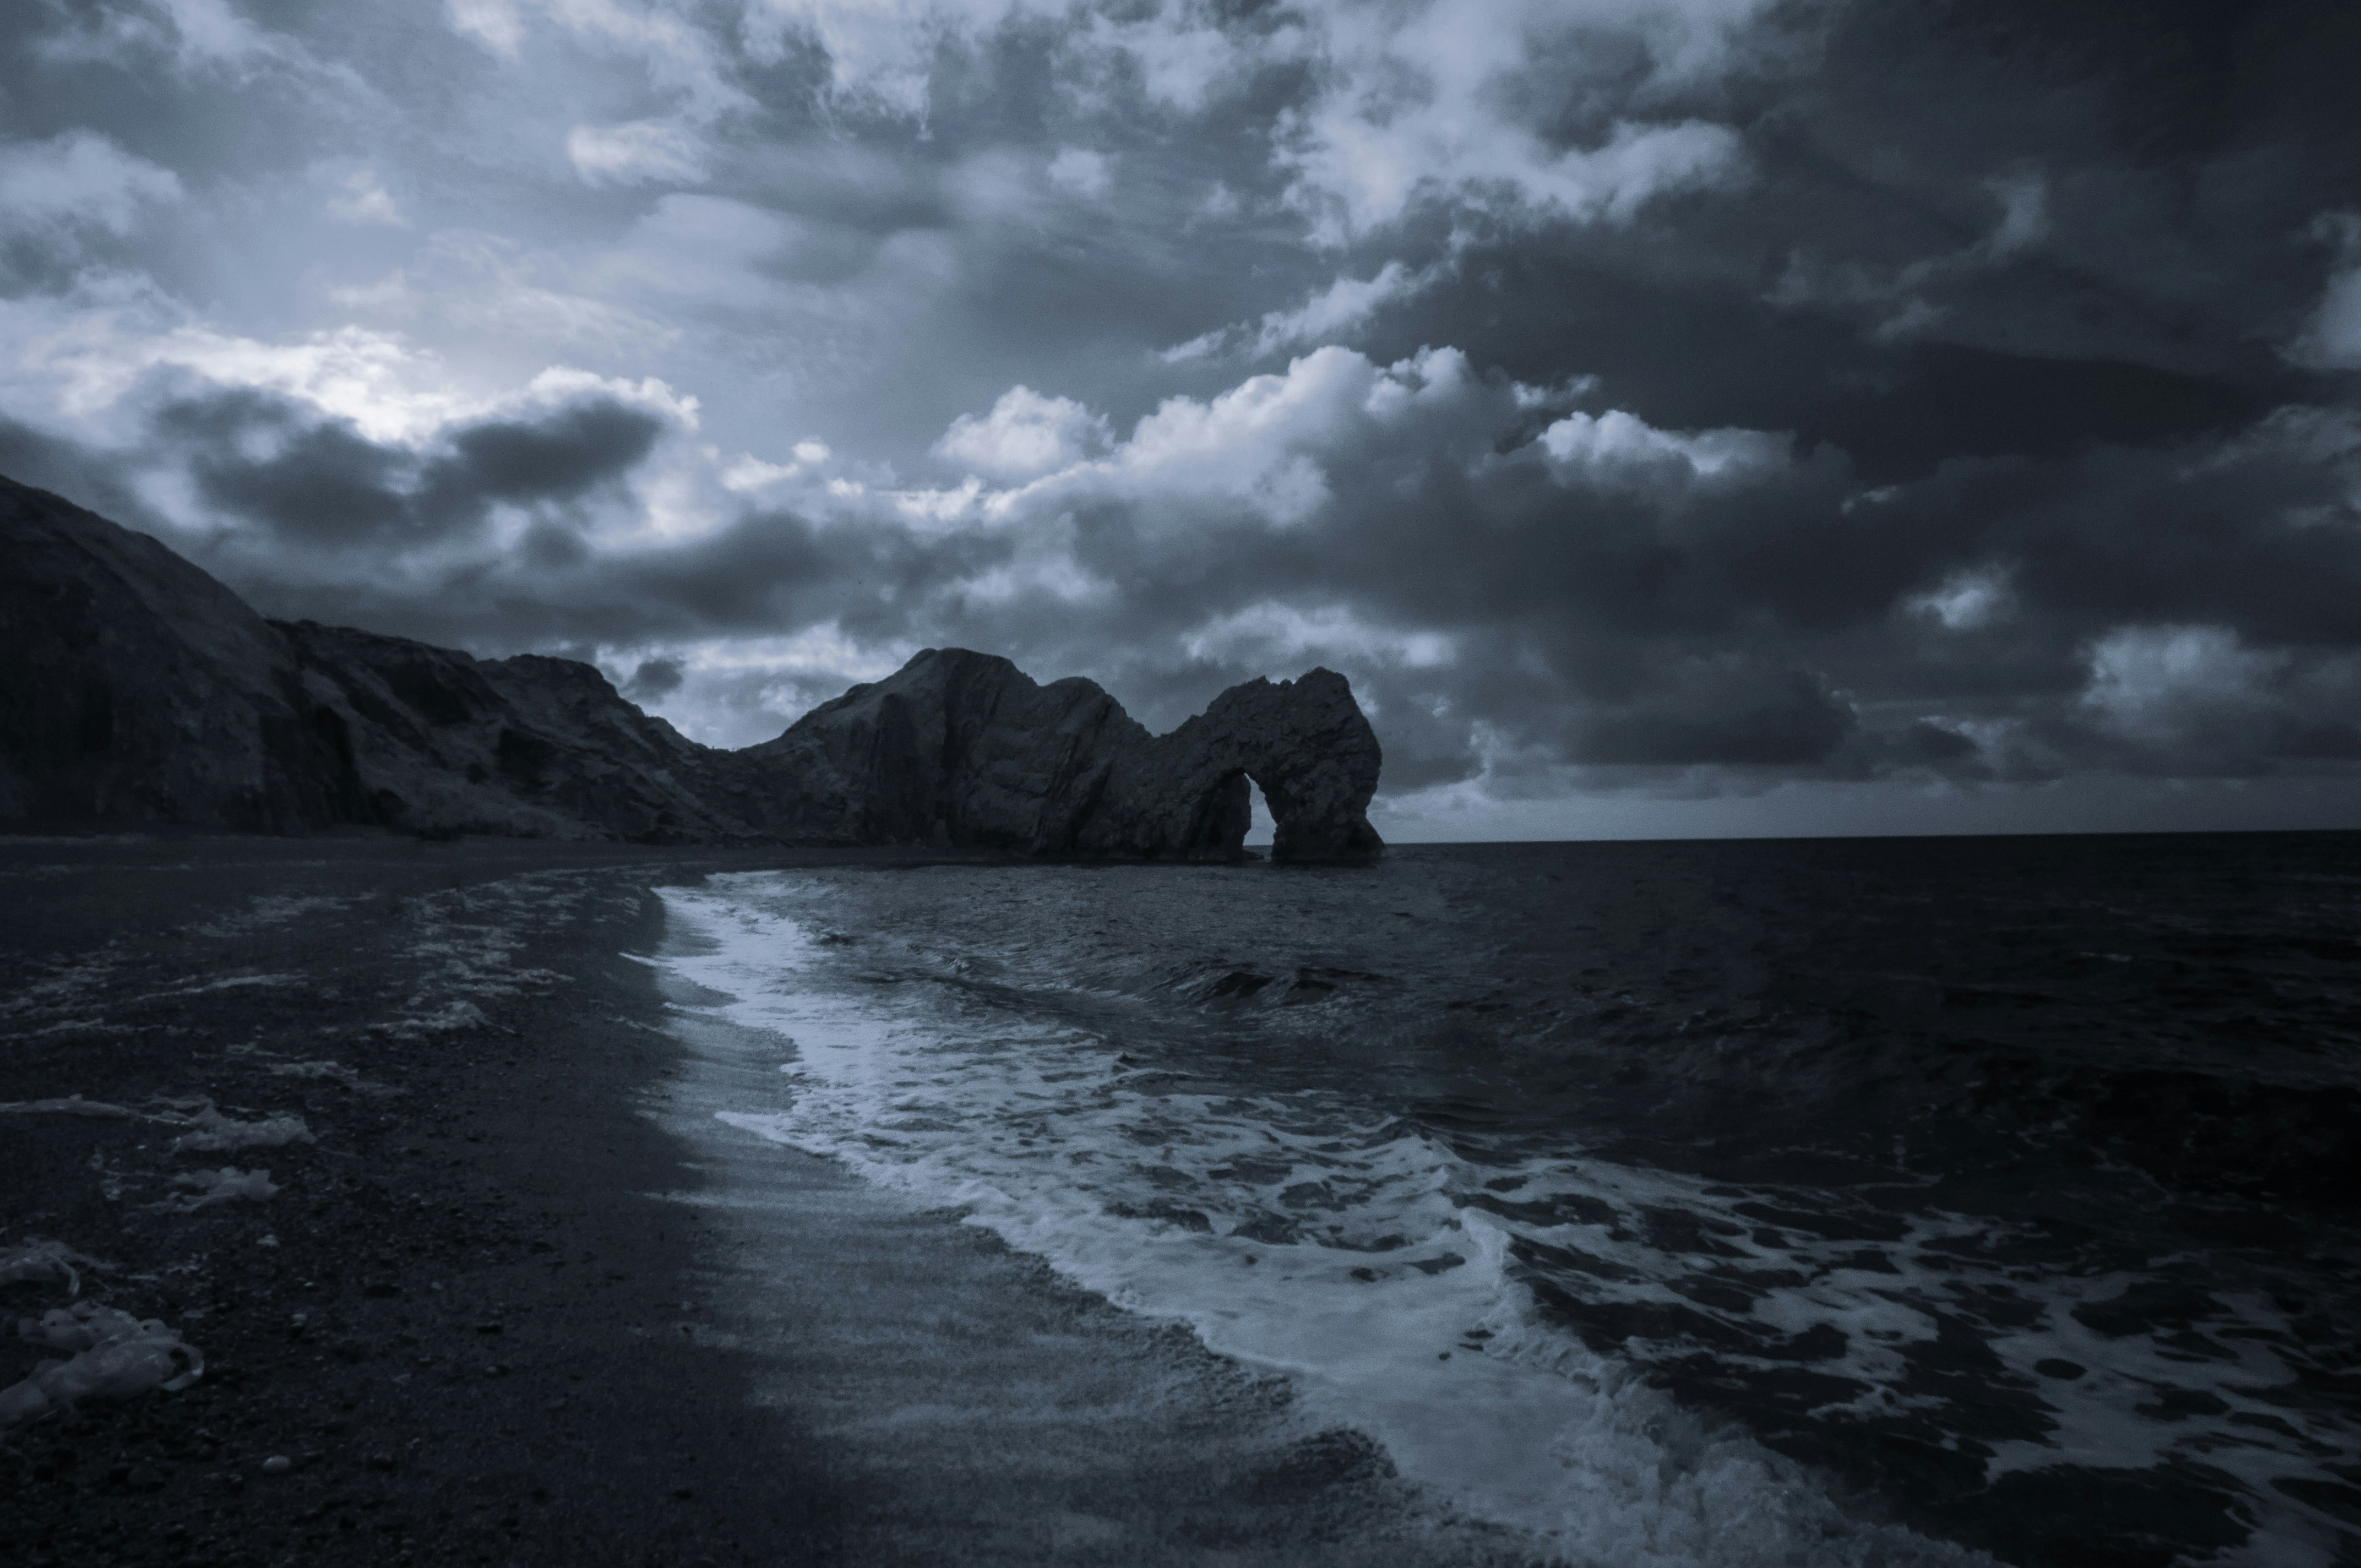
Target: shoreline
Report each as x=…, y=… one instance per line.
x=509, y=1309
x=434, y=1318
x=1010, y=1415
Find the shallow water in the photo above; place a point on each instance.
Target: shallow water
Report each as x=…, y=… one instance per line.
x=1693, y=1204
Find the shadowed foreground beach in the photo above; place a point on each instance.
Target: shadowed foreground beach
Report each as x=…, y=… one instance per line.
x=520, y=1299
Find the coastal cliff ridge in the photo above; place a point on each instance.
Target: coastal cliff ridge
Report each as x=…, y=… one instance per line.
x=135, y=688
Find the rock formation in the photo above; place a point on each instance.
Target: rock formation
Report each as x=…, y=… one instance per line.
x=528, y=747
x=962, y=748
x=136, y=688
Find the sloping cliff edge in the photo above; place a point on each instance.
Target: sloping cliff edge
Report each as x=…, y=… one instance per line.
x=135, y=688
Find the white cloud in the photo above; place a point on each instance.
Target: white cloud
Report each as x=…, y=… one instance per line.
x=198, y=36
x=363, y=199
x=879, y=52
x=2024, y=198
x=1346, y=305
x=482, y=290
x=636, y=153
x=389, y=390
x=1197, y=347
x=1025, y=435
x=1420, y=97
x=1421, y=103
x=1271, y=633
x=1182, y=63
x=88, y=363
x=751, y=476
x=1360, y=174
x=491, y=23
x=2156, y=683
x=2332, y=338
x=1340, y=307
x=1051, y=576
x=211, y=27
x=213, y=31
x=78, y=178
x=564, y=383
x=1259, y=442
x=1968, y=600
x=1267, y=446
x=737, y=691
x=2335, y=339
x=677, y=53
x=1617, y=450
x=1081, y=173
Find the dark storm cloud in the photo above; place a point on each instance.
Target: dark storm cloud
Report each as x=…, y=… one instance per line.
x=654, y=679
x=90, y=478
x=1969, y=231
x=555, y=459
x=1833, y=391
x=1630, y=609
x=267, y=459
x=763, y=572
x=1728, y=712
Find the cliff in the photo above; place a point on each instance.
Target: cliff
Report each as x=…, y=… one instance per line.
x=136, y=688
x=528, y=747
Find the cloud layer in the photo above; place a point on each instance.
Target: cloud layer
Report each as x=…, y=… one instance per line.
x=1644, y=401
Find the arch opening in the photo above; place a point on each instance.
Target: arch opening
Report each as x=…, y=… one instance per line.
x=1261, y=826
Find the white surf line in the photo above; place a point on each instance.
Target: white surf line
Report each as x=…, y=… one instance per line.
x=1533, y=1432
x=988, y=1414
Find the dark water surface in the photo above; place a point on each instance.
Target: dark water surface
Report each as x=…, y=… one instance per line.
x=1696, y=1202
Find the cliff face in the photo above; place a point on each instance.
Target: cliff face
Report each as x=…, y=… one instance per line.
x=528, y=747
x=136, y=688
x=954, y=748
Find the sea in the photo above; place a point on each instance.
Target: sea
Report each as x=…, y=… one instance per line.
x=1802, y=1201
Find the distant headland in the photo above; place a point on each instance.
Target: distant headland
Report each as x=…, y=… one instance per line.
x=137, y=689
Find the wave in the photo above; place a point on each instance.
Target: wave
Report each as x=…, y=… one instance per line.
x=1299, y=1231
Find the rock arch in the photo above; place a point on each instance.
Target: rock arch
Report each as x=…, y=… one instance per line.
x=1305, y=743
x=964, y=748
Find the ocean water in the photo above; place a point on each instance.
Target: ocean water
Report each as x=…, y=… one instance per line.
x=1795, y=1202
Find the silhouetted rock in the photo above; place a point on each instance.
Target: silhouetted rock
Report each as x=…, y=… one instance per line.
x=1305, y=741
x=136, y=688
x=959, y=748
x=529, y=747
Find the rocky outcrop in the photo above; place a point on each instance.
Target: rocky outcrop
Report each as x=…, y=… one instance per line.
x=959, y=748
x=528, y=747
x=136, y=688
x=1304, y=741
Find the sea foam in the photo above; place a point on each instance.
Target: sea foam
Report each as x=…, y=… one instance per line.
x=1297, y=1233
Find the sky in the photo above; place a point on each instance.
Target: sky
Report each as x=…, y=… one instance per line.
x=1675, y=416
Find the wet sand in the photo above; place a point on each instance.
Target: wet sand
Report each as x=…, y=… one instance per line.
x=523, y=1300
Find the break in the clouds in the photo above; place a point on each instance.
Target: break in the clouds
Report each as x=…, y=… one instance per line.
x=1673, y=414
